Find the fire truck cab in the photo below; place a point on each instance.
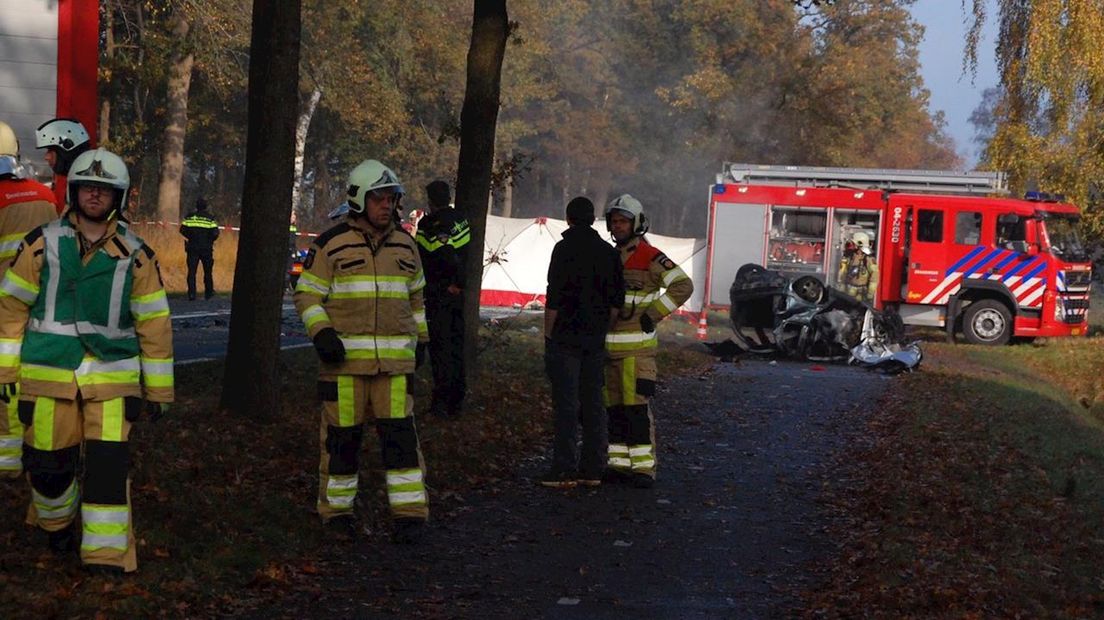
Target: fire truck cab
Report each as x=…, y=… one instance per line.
x=942, y=249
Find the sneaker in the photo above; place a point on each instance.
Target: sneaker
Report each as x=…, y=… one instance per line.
x=557, y=480
x=643, y=481
x=615, y=476
x=63, y=541
x=407, y=531
x=588, y=480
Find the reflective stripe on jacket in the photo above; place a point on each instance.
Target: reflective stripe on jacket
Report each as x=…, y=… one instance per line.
x=370, y=292
x=200, y=231
x=99, y=323
x=647, y=273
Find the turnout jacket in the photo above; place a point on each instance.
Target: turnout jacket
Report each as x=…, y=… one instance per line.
x=370, y=292
x=25, y=204
x=200, y=231
x=97, y=324
x=647, y=271
x=442, y=238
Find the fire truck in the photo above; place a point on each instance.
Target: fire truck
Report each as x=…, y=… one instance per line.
x=49, y=57
x=951, y=249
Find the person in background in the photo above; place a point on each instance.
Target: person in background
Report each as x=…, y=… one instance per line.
x=200, y=231
x=442, y=238
x=858, y=272
x=85, y=330
x=360, y=298
x=64, y=139
x=25, y=204
x=585, y=291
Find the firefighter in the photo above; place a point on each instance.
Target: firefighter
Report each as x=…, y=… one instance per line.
x=84, y=324
x=360, y=297
x=200, y=231
x=64, y=139
x=25, y=204
x=631, y=344
x=858, y=272
x=442, y=238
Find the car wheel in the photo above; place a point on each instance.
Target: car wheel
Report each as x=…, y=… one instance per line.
x=987, y=322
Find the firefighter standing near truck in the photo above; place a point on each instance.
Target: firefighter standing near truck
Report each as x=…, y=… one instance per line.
x=442, y=238
x=85, y=329
x=631, y=344
x=25, y=204
x=64, y=139
x=858, y=272
x=360, y=298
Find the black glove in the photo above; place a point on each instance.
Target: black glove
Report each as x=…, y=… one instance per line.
x=419, y=355
x=155, y=411
x=329, y=346
x=647, y=323
x=8, y=392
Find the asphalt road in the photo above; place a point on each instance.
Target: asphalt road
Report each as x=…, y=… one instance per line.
x=730, y=530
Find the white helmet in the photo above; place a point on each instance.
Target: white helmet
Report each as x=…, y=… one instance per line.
x=102, y=168
x=68, y=136
x=368, y=176
x=862, y=242
x=631, y=208
x=9, y=145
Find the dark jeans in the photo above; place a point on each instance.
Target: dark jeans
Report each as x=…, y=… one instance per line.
x=208, y=260
x=445, y=316
x=577, y=377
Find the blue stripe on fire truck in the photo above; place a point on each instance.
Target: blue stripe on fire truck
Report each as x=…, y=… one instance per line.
x=1018, y=268
x=1001, y=265
x=981, y=263
x=962, y=261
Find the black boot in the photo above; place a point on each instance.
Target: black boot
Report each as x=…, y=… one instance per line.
x=63, y=541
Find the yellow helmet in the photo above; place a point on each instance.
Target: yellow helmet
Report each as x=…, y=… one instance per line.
x=9, y=145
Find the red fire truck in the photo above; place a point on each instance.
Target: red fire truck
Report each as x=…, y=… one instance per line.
x=951, y=249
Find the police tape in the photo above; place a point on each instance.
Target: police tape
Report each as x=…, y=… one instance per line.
x=233, y=228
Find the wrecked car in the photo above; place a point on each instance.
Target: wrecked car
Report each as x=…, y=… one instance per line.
x=802, y=318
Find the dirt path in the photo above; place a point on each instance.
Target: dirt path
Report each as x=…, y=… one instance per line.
x=730, y=529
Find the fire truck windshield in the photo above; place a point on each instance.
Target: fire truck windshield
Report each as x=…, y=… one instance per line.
x=1064, y=239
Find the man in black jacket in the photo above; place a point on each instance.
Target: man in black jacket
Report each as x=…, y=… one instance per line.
x=442, y=238
x=200, y=231
x=585, y=291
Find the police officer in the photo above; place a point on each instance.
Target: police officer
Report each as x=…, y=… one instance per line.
x=64, y=139
x=858, y=272
x=85, y=328
x=631, y=344
x=360, y=298
x=200, y=231
x=443, y=237
x=25, y=204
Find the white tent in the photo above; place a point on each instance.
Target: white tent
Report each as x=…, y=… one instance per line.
x=516, y=253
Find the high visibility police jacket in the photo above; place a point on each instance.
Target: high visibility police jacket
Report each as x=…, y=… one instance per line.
x=647, y=271
x=25, y=204
x=200, y=231
x=370, y=291
x=97, y=324
x=442, y=238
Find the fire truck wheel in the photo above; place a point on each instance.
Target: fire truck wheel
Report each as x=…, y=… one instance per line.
x=987, y=322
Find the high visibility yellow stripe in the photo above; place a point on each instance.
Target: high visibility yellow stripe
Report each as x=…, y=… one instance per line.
x=346, y=402
x=43, y=424
x=398, y=396
x=628, y=381
x=34, y=372
x=113, y=420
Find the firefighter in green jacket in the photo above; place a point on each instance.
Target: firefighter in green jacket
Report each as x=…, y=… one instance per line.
x=360, y=298
x=85, y=330
x=631, y=344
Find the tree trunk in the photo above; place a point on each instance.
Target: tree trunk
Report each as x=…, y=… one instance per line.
x=322, y=182
x=300, y=149
x=478, y=118
x=251, y=380
x=176, y=125
x=508, y=196
x=103, y=127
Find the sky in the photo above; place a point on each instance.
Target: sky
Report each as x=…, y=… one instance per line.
x=941, y=55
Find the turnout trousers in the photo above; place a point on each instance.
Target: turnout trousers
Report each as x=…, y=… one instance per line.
x=347, y=400
x=445, y=319
x=56, y=431
x=11, y=440
x=208, y=260
x=630, y=385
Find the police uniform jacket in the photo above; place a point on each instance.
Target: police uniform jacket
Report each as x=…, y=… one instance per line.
x=442, y=238
x=647, y=272
x=200, y=230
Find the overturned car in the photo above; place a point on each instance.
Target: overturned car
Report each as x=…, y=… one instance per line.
x=802, y=318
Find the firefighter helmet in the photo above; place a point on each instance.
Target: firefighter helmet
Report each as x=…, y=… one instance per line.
x=862, y=241
x=631, y=208
x=9, y=144
x=101, y=168
x=368, y=176
x=66, y=135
